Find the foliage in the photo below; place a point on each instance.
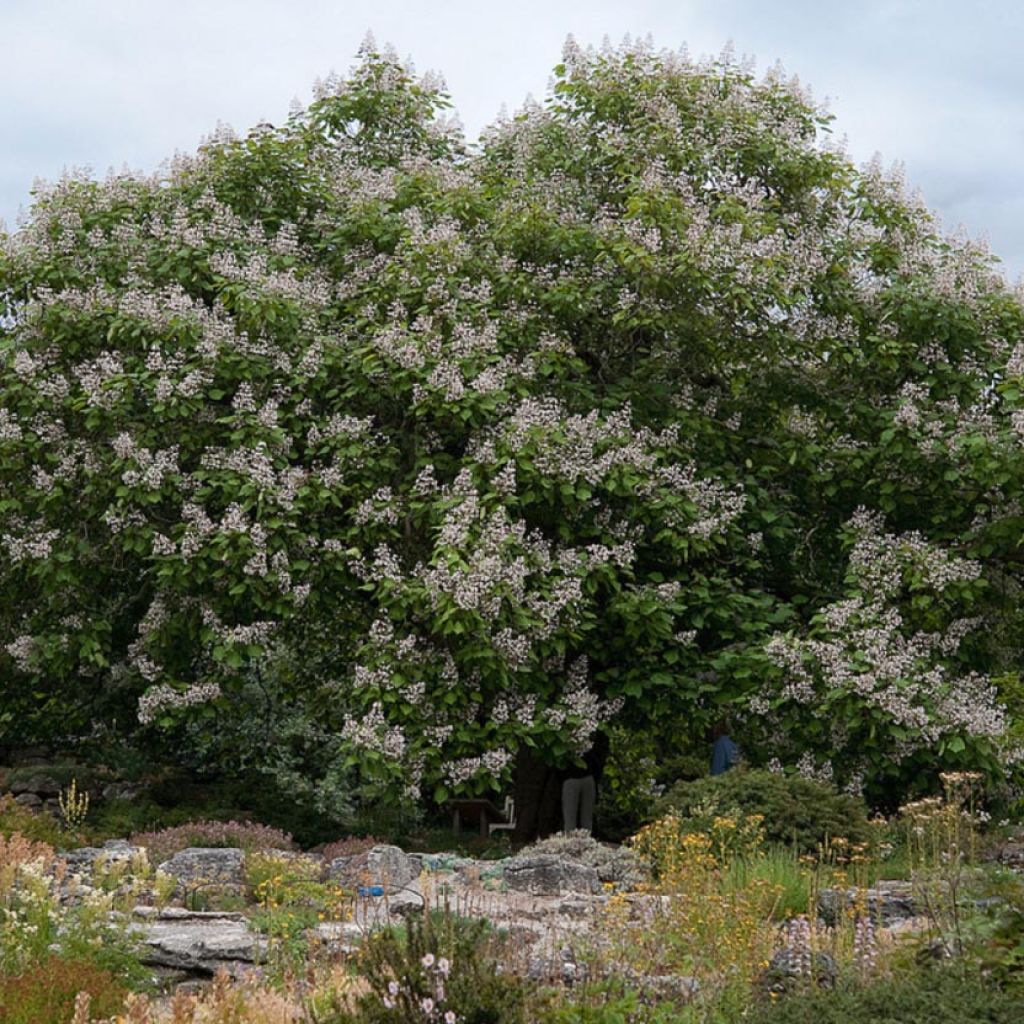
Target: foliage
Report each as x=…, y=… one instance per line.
x=939, y=995
x=366, y=464
x=33, y=825
x=996, y=937
x=629, y=783
x=242, y=835
x=779, y=870
x=713, y=913
x=177, y=797
x=292, y=900
x=802, y=813
x=942, y=841
x=609, y=1003
x=16, y=852
x=439, y=967
x=708, y=928
x=725, y=837
x=46, y=993
x=38, y=918
x=225, y=1001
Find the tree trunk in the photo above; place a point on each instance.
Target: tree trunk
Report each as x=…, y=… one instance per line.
x=538, y=797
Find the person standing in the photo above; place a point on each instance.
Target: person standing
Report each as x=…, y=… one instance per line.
x=724, y=752
x=579, y=790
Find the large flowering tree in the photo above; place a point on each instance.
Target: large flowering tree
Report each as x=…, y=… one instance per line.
x=427, y=458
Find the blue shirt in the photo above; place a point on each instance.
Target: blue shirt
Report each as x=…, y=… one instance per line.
x=724, y=755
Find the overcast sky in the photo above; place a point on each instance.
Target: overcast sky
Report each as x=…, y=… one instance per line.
x=936, y=84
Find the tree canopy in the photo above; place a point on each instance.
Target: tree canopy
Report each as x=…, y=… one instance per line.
x=377, y=458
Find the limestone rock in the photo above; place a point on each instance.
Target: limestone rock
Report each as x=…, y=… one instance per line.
x=339, y=936
x=388, y=866
x=562, y=968
x=886, y=903
x=200, y=943
x=113, y=851
x=1012, y=854
x=126, y=791
x=198, y=866
x=549, y=875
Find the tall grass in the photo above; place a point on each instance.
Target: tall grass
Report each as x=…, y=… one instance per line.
x=776, y=870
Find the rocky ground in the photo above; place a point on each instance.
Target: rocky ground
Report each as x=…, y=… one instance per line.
x=549, y=905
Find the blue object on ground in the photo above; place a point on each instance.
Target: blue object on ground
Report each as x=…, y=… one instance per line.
x=371, y=890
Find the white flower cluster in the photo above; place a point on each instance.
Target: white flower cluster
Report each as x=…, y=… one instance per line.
x=158, y=699
x=31, y=543
x=372, y=732
x=491, y=763
x=861, y=649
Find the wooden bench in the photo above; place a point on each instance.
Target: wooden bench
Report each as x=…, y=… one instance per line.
x=482, y=812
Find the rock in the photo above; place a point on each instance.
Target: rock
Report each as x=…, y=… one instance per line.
x=190, y=987
x=126, y=791
x=83, y=860
x=168, y=979
x=550, y=875
x=575, y=907
x=335, y=930
x=41, y=785
x=521, y=935
x=30, y=800
x=339, y=936
x=440, y=863
x=404, y=903
x=886, y=903
x=656, y=987
x=388, y=866
x=198, y=866
x=200, y=943
x=481, y=874
x=337, y=869
x=910, y=926
x=1012, y=854
x=564, y=968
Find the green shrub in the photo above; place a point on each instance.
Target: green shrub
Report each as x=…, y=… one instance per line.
x=438, y=964
x=610, y=1002
x=291, y=901
x=34, y=825
x=933, y=996
x=799, y=812
x=61, y=772
x=46, y=993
